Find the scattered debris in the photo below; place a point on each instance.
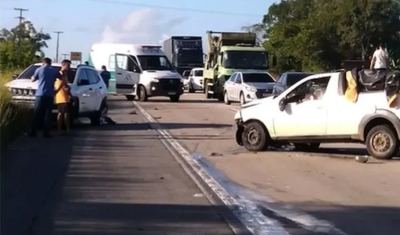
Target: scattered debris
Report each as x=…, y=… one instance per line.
x=155, y=108
x=132, y=112
x=198, y=195
x=362, y=159
x=213, y=154
x=156, y=118
x=161, y=178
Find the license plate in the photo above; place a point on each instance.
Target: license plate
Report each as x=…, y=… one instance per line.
x=171, y=93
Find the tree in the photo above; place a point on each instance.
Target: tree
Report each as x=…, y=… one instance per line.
x=31, y=45
x=317, y=35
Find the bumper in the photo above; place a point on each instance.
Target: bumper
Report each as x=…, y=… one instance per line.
x=169, y=87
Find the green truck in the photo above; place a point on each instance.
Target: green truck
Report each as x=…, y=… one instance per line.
x=227, y=53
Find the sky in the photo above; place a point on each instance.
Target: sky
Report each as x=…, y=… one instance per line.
x=85, y=22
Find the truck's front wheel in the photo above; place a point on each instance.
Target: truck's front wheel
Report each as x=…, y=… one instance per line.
x=255, y=137
x=174, y=98
x=382, y=142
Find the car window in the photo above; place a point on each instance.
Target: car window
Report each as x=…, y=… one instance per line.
x=93, y=76
x=232, y=78
x=198, y=73
x=238, y=78
x=282, y=79
x=293, y=78
x=311, y=90
x=257, y=77
x=82, y=75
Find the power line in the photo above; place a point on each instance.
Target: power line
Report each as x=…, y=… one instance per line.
x=21, y=18
x=174, y=8
x=58, y=43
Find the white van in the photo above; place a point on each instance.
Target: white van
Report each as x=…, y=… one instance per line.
x=139, y=70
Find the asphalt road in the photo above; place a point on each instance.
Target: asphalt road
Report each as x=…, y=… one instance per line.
x=329, y=185
x=114, y=179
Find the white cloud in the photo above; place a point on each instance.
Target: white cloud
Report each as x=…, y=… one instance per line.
x=142, y=26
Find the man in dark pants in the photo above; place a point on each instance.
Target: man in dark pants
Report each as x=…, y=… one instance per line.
x=105, y=75
x=45, y=76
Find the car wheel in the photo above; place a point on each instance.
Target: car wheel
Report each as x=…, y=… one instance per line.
x=307, y=147
x=100, y=115
x=226, y=99
x=255, y=137
x=143, y=94
x=382, y=142
x=174, y=98
x=242, y=99
x=130, y=97
x=191, y=90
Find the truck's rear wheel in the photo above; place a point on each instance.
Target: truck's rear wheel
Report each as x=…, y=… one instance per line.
x=255, y=137
x=130, y=97
x=382, y=142
x=143, y=94
x=174, y=98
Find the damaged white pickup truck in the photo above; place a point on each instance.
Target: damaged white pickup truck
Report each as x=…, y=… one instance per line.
x=353, y=106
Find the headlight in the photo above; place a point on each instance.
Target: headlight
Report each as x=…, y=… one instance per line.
x=251, y=89
x=155, y=80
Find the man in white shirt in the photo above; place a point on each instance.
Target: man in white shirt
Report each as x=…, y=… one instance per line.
x=380, y=59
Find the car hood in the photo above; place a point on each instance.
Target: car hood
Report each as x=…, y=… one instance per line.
x=162, y=74
x=261, y=85
x=258, y=101
x=22, y=84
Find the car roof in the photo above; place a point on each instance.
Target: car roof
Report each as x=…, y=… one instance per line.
x=247, y=72
x=299, y=73
x=198, y=69
x=59, y=65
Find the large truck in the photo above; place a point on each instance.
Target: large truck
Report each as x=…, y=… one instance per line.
x=227, y=53
x=184, y=52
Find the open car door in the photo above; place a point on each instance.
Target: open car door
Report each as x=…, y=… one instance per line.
x=127, y=73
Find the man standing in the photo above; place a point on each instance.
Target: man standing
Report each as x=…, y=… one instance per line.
x=105, y=75
x=45, y=76
x=380, y=59
x=62, y=97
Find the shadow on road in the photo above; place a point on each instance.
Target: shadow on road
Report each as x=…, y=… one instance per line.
x=146, y=126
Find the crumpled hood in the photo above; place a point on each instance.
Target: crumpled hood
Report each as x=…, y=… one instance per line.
x=261, y=85
x=162, y=74
x=22, y=84
x=257, y=102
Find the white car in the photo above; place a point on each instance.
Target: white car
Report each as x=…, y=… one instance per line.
x=196, y=80
x=247, y=86
x=322, y=108
x=89, y=92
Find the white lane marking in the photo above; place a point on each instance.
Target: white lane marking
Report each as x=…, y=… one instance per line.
x=234, y=110
x=245, y=210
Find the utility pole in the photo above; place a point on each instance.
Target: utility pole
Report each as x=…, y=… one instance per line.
x=58, y=43
x=21, y=18
x=64, y=56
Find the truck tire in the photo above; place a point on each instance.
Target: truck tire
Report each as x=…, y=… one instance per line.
x=174, y=98
x=255, y=137
x=206, y=89
x=143, y=94
x=130, y=97
x=382, y=142
x=307, y=147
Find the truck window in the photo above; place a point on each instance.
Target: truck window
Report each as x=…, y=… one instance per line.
x=151, y=62
x=198, y=73
x=245, y=60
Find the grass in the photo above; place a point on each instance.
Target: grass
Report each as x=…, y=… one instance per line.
x=13, y=118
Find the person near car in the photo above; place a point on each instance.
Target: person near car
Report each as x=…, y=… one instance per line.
x=105, y=75
x=380, y=59
x=62, y=97
x=44, y=100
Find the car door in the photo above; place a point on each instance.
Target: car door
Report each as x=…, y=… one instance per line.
x=237, y=87
x=96, y=85
x=229, y=86
x=308, y=117
x=127, y=73
x=84, y=90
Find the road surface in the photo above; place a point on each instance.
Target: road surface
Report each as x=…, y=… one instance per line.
x=328, y=185
x=115, y=179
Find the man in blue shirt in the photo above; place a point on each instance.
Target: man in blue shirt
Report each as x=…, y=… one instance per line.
x=105, y=75
x=45, y=77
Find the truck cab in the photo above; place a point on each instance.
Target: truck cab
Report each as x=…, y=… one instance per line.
x=139, y=70
x=229, y=53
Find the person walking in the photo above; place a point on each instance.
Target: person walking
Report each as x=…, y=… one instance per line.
x=380, y=59
x=44, y=101
x=105, y=75
x=62, y=97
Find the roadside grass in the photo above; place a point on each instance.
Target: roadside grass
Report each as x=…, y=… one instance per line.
x=13, y=118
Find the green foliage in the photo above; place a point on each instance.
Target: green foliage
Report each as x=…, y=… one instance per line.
x=317, y=35
x=31, y=46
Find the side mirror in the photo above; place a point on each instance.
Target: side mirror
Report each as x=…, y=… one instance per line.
x=136, y=70
x=282, y=104
x=15, y=76
x=83, y=82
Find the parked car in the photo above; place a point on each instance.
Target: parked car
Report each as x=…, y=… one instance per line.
x=185, y=76
x=89, y=92
x=247, y=86
x=288, y=79
x=196, y=80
